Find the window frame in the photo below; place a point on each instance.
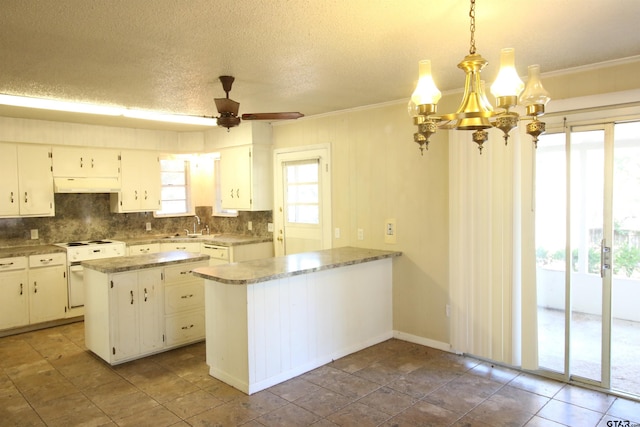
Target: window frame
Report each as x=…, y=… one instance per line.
x=189, y=207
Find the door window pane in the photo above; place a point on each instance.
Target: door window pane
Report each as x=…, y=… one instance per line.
x=302, y=192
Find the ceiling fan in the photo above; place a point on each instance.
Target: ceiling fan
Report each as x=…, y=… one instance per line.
x=228, y=109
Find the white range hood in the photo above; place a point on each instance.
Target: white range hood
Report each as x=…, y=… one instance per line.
x=86, y=185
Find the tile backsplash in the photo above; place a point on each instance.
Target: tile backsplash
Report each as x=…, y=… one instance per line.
x=87, y=216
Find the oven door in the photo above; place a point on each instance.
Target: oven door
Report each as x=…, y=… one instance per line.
x=76, y=285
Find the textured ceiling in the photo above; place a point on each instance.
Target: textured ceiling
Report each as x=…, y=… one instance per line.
x=312, y=56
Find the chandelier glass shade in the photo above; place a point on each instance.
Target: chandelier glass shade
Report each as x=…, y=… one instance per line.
x=475, y=112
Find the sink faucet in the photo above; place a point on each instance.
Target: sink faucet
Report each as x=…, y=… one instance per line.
x=196, y=222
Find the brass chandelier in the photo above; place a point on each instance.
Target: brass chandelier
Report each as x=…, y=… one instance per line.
x=475, y=112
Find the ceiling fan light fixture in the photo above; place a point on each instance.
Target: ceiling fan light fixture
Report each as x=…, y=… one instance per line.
x=475, y=112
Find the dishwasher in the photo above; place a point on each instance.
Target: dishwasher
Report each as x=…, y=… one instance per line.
x=217, y=254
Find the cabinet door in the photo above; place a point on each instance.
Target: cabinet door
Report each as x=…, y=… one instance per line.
x=47, y=293
x=124, y=316
x=235, y=177
x=14, y=305
x=9, y=180
x=86, y=162
x=35, y=180
x=140, y=176
x=151, y=305
x=103, y=163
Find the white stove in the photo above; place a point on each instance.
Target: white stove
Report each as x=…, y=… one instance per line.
x=86, y=250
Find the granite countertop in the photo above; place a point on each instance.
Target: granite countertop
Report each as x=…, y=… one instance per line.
x=30, y=250
x=139, y=262
x=214, y=239
x=262, y=270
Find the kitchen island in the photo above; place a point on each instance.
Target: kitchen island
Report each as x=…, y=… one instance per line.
x=270, y=320
x=142, y=304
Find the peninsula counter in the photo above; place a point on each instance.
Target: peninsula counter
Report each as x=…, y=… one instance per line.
x=272, y=319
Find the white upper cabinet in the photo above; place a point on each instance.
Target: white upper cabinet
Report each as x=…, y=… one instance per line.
x=26, y=182
x=246, y=180
x=86, y=162
x=140, y=182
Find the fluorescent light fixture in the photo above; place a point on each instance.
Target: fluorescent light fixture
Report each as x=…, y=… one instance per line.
x=171, y=118
x=52, y=104
x=103, y=110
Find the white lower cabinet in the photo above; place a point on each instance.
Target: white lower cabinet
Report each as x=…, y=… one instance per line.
x=47, y=287
x=14, y=282
x=184, y=304
x=136, y=299
x=33, y=289
x=132, y=314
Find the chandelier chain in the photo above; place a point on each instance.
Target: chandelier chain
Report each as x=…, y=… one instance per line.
x=472, y=27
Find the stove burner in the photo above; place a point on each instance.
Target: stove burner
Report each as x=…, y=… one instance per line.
x=99, y=242
x=76, y=244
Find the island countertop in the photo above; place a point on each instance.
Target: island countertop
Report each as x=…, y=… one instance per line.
x=262, y=270
x=138, y=262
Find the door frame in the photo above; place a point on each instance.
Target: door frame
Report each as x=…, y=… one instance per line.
x=290, y=154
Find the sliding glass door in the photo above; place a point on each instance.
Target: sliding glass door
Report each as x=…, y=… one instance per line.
x=587, y=238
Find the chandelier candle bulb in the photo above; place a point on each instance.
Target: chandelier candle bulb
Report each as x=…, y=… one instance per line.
x=534, y=97
x=426, y=91
x=508, y=84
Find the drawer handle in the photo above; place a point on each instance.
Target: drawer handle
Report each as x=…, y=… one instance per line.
x=45, y=261
x=187, y=296
x=181, y=248
x=187, y=327
x=186, y=272
x=6, y=264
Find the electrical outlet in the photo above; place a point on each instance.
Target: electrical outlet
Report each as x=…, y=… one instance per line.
x=270, y=227
x=34, y=234
x=390, y=231
x=447, y=309
x=360, y=234
x=249, y=225
x=336, y=233
x=147, y=226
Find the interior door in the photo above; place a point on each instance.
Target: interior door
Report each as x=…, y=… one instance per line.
x=588, y=254
x=303, y=202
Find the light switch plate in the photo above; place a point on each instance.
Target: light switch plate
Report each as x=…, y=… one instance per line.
x=34, y=234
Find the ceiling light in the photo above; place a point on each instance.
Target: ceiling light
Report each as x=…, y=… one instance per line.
x=475, y=112
x=103, y=110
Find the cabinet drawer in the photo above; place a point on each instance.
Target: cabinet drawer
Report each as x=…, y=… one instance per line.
x=47, y=260
x=181, y=272
x=188, y=296
x=181, y=246
x=13, y=263
x=184, y=328
x=217, y=252
x=151, y=248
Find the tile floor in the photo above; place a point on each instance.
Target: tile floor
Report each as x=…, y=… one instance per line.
x=48, y=378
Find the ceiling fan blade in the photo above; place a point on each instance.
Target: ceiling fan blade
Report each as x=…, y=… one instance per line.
x=272, y=116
